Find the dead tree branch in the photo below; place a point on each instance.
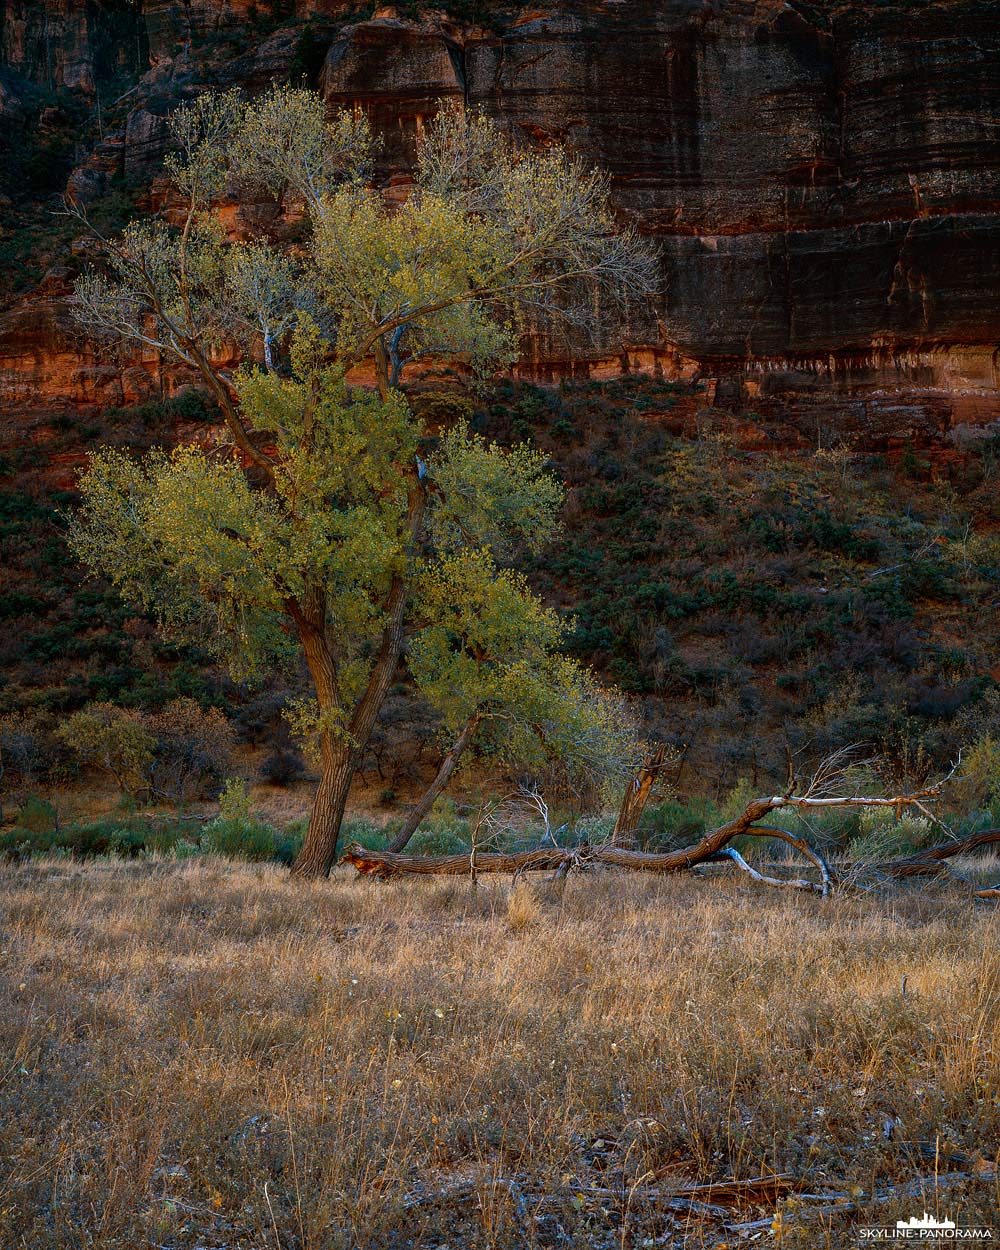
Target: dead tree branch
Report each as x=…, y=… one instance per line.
x=394, y=864
x=929, y=861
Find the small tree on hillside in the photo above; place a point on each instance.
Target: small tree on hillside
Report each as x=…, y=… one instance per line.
x=113, y=739
x=317, y=523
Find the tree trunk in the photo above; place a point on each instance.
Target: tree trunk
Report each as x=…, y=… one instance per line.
x=420, y=810
x=341, y=748
x=338, y=759
x=319, y=849
x=634, y=802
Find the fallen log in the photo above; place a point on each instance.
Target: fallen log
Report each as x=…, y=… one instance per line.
x=711, y=849
x=929, y=861
x=396, y=863
x=712, y=1199
x=392, y=864
x=752, y=1189
x=802, y=846
x=813, y=1206
x=713, y=846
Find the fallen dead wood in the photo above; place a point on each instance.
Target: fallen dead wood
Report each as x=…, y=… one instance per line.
x=394, y=864
x=391, y=864
x=710, y=1199
x=814, y=1205
x=753, y=1189
x=929, y=861
x=713, y=847
x=788, y=883
x=803, y=847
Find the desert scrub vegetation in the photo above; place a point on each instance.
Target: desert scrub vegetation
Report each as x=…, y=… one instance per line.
x=68, y=639
x=198, y=1054
x=745, y=594
x=740, y=596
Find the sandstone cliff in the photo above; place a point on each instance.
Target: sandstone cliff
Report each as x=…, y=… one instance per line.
x=823, y=180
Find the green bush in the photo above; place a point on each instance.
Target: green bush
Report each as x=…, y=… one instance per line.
x=236, y=832
x=674, y=822
x=358, y=829
x=437, y=842
x=254, y=840
x=127, y=838
x=38, y=816
x=444, y=831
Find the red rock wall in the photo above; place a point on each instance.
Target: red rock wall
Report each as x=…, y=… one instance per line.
x=823, y=181
x=825, y=190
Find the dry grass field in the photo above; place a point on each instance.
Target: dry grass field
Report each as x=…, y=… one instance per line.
x=207, y=1055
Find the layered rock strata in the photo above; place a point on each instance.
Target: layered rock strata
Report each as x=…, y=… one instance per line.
x=823, y=182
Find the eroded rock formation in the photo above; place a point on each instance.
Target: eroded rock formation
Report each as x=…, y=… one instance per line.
x=823, y=180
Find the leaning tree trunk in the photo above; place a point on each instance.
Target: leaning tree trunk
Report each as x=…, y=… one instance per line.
x=417, y=813
x=634, y=801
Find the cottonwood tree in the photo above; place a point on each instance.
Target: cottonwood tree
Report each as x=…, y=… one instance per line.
x=322, y=522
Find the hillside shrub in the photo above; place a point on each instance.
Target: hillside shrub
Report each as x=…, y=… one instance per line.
x=113, y=739
x=237, y=832
x=27, y=751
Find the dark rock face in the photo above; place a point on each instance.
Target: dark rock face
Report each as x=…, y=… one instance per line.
x=826, y=191
x=398, y=73
x=823, y=179
x=68, y=44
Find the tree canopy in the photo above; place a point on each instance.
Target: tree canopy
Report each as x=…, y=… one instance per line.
x=329, y=520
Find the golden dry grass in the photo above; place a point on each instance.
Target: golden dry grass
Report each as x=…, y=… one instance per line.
x=209, y=1055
